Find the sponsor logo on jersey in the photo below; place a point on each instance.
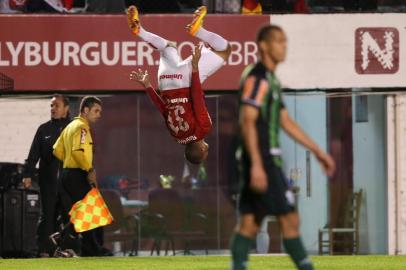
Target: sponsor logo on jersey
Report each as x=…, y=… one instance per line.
x=188, y=139
x=178, y=100
x=171, y=76
x=83, y=136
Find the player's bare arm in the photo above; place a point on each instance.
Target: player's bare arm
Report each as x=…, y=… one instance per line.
x=142, y=77
x=196, y=54
x=294, y=131
x=248, y=118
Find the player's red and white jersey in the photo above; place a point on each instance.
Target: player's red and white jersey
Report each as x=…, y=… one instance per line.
x=174, y=76
x=180, y=117
x=184, y=111
x=187, y=120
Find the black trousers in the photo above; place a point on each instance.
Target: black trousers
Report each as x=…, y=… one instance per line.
x=74, y=187
x=50, y=210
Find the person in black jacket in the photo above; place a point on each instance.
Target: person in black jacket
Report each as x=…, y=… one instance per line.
x=49, y=167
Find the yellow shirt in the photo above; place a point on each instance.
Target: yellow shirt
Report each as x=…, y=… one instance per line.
x=75, y=145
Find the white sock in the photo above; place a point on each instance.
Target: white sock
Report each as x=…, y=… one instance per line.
x=156, y=41
x=215, y=41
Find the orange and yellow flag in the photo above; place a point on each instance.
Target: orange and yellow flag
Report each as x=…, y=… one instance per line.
x=91, y=212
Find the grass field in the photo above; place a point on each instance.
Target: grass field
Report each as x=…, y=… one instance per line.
x=202, y=263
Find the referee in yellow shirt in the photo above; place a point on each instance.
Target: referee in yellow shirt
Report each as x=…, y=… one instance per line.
x=74, y=148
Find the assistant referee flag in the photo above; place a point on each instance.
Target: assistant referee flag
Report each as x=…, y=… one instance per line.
x=91, y=212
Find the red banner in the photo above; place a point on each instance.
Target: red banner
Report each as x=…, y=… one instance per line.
x=97, y=52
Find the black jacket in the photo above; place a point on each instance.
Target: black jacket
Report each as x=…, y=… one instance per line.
x=41, y=149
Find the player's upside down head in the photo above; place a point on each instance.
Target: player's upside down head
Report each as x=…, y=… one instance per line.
x=197, y=152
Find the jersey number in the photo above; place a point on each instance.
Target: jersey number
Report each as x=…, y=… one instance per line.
x=175, y=120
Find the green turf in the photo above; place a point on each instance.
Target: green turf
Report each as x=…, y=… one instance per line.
x=201, y=263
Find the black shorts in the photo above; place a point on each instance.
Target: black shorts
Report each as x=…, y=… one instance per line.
x=278, y=200
x=74, y=184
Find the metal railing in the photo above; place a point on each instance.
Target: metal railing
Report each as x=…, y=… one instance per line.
x=6, y=83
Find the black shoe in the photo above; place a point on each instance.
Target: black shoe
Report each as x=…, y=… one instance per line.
x=43, y=255
x=68, y=253
x=106, y=252
x=55, y=238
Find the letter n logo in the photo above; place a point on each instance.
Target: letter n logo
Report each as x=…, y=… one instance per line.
x=376, y=50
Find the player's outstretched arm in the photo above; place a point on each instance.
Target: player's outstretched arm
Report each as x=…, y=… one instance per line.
x=143, y=79
x=198, y=100
x=196, y=54
x=294, y=131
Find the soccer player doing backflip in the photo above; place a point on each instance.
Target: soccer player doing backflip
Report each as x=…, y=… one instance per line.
x=181, y=99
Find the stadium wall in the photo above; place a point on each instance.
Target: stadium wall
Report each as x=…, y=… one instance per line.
x=19, y=120
x=87, y=52
x=396, y=184
x=344, y=50
x=76, y=52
